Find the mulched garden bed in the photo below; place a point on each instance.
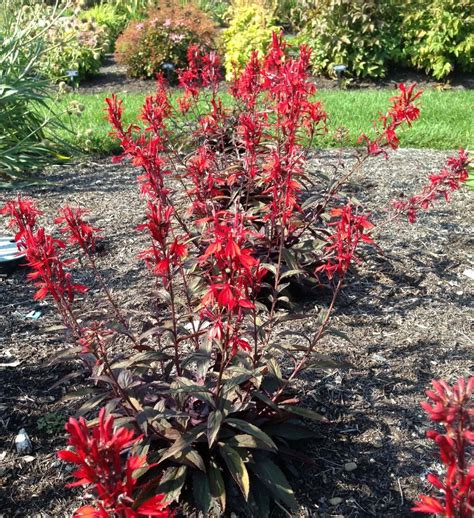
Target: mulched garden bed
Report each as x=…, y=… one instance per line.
x=112, y=77
x=407, y=312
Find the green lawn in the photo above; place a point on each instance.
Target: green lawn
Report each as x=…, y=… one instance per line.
x=446, y=120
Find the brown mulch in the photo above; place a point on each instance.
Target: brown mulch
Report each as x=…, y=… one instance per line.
x=407, y=312
x=112, y=78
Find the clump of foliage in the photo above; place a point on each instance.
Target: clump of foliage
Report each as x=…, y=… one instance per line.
x=76, y=44
x=216, y=9
x=250, y=29
x=28, y=124
x=453, y=408
x=72, y=42
x=205, y=388
x=368, y=37
x=51, y=423
x=163, y=38
x=438, y=36
x=108, y=16
x=362, y=35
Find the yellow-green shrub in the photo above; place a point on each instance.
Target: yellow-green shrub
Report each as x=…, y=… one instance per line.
x=250, y=28
x=438, y=36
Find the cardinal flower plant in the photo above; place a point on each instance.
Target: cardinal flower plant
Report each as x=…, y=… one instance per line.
x=203, y=401
x=453, y=408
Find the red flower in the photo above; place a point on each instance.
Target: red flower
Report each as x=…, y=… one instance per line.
x=157, y=108
x=99, y=457
x=402, y=110
x=440, y=186
x=234, y=276
x=203, y=70
x=78, y=231
x=164, y=252
x=453, y=408
x=23, y=215
x=351, y=228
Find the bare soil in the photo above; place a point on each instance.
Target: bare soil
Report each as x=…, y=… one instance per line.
x=407, y=310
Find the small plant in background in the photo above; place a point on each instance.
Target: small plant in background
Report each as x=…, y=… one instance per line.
x=216, y=9
x=51, y=423
x=207, y=380
x=76, y=44
x=452, y=408
x=163, y=38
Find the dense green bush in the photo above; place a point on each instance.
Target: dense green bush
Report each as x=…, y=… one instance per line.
x=438, y=36
x=250, y=28
x=163, y=37
x=28, y=125
x=360, y=34
x=368, y=36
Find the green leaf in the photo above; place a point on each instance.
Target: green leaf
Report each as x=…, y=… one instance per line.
x=251, y=429
x=236, y=381
x=214, y=422
x=183, y=385
x=237, y=468
x=201, y=491
x=292, y=273
x=247, y=441
x=143, y=357
x=182, y=443
x=216, y=483
x=336, y=332
x=274, y=368
x=273, y=478
x=304, y=412
x=261, y=498
x=172, y=482
x=91, y=403
x=192, y=457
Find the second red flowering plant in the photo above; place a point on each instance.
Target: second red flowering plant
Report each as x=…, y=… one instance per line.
x=203, y=402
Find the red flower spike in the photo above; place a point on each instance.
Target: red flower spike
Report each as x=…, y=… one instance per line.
x=453, y=408
x=43, y=254
x=403, y=110
x=77, y=230
x=440, y=186
x=23, y=215
x=351, y=228
x=234, y=277
x=98, y=453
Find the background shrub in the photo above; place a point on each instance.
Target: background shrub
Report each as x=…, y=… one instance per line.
x=73, y=41
x=109, y=17
x=76, y=44
x=438, y=36
x=250, y=28
x=364, y=35
x=164, y=36
x=28, y=125
x=216, y=9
